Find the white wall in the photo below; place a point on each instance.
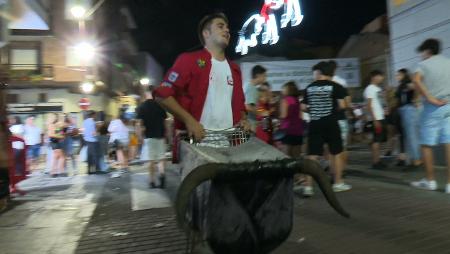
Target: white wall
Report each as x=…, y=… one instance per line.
x=411, y=23
x=69, y=100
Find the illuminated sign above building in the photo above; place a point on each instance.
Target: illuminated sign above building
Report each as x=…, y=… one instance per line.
x=265, y=24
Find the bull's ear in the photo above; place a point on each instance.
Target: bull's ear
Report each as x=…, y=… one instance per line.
x=313, y=169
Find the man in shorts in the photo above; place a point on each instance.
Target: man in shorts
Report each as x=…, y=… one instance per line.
x=432, y=80
x=374, y=96
x=323, y=100
x=33, y=139
x=153, y=120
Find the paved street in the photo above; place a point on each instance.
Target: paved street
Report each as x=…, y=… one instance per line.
x=99, y=214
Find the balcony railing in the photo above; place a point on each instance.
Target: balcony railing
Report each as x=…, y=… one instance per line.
x=30, y=72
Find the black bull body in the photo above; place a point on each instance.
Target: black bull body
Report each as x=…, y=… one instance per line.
x=240, y=199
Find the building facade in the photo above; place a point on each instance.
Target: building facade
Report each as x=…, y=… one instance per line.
x=46, y=64
x=413, y=21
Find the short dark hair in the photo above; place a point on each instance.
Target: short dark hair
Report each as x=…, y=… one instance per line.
x=433, y=45
x=375, y=73
x=333, y=64
x=325, y=68
x=258, y=69
x=206, y=22
x=292, y=89
x=406, y=76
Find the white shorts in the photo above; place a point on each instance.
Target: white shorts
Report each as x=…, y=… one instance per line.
x=156, y=148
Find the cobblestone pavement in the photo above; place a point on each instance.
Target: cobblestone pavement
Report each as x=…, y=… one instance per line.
x=95, y=216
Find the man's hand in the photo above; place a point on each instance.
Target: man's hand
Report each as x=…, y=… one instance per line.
x=245, y=124
x=195, y=130
x=436, y=102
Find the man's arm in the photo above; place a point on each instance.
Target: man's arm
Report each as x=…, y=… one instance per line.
x=418, y=82
x=194, y=128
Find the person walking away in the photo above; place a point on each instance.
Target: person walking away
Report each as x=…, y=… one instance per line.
x=375, y=100
x=409, y=112
x=432, y=79
x=56, y=135
x=119, y=139
x=153, y=118
x=323, y=99
x=33, y=140
x=259, y=77
x=91, y=141
x=70, y=134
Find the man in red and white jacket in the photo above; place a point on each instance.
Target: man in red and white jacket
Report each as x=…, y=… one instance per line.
x=203, y=89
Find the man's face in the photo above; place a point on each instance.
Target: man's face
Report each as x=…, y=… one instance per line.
x=378, y=79
x=30, y=120
x=425, y=54
x=261, y=78
x=218, y=33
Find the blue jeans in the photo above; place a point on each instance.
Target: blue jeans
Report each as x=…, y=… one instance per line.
x=435, y=125
x=410, y=123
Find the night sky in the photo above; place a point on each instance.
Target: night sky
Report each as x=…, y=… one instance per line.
x=168, y=27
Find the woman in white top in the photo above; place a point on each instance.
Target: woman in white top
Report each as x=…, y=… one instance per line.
x=119, y=139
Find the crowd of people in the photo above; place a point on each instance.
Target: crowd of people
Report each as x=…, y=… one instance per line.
x=203, y=91
x=106, y=147
x=409, y=117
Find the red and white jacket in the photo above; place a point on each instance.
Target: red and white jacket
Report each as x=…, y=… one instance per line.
x=188, y=81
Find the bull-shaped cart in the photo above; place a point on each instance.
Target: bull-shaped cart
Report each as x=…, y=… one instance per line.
x=237, y=195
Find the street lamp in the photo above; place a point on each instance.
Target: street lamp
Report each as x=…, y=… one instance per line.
x=85, y=51
x=78, y=12
x=144, y=81
x=87, y=87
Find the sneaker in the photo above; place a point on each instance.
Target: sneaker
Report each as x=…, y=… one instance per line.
x=152, y=185
x=424, y=184
x=447, y=188
x=308, y=191
x=116, y=175
x=339, y=187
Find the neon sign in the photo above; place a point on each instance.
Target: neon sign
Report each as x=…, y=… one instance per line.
x=265, y=22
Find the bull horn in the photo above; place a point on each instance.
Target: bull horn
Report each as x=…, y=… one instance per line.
x=313, y=169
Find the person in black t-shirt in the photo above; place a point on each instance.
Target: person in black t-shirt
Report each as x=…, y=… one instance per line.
x=323, y=100
x=153, y=120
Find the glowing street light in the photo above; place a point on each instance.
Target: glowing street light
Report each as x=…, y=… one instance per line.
x=87, y=87
x=78, y=12
x=144, y=81
x=85, y=51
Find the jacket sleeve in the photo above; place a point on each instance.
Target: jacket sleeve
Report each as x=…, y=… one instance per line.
x=240, y=93
x=176, y=78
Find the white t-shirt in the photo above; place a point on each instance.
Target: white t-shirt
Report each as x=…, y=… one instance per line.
x=32, y=135
x=217, y=112
x=118, y=131
x=340, y=80
x=17, y=129
x=375, y=93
